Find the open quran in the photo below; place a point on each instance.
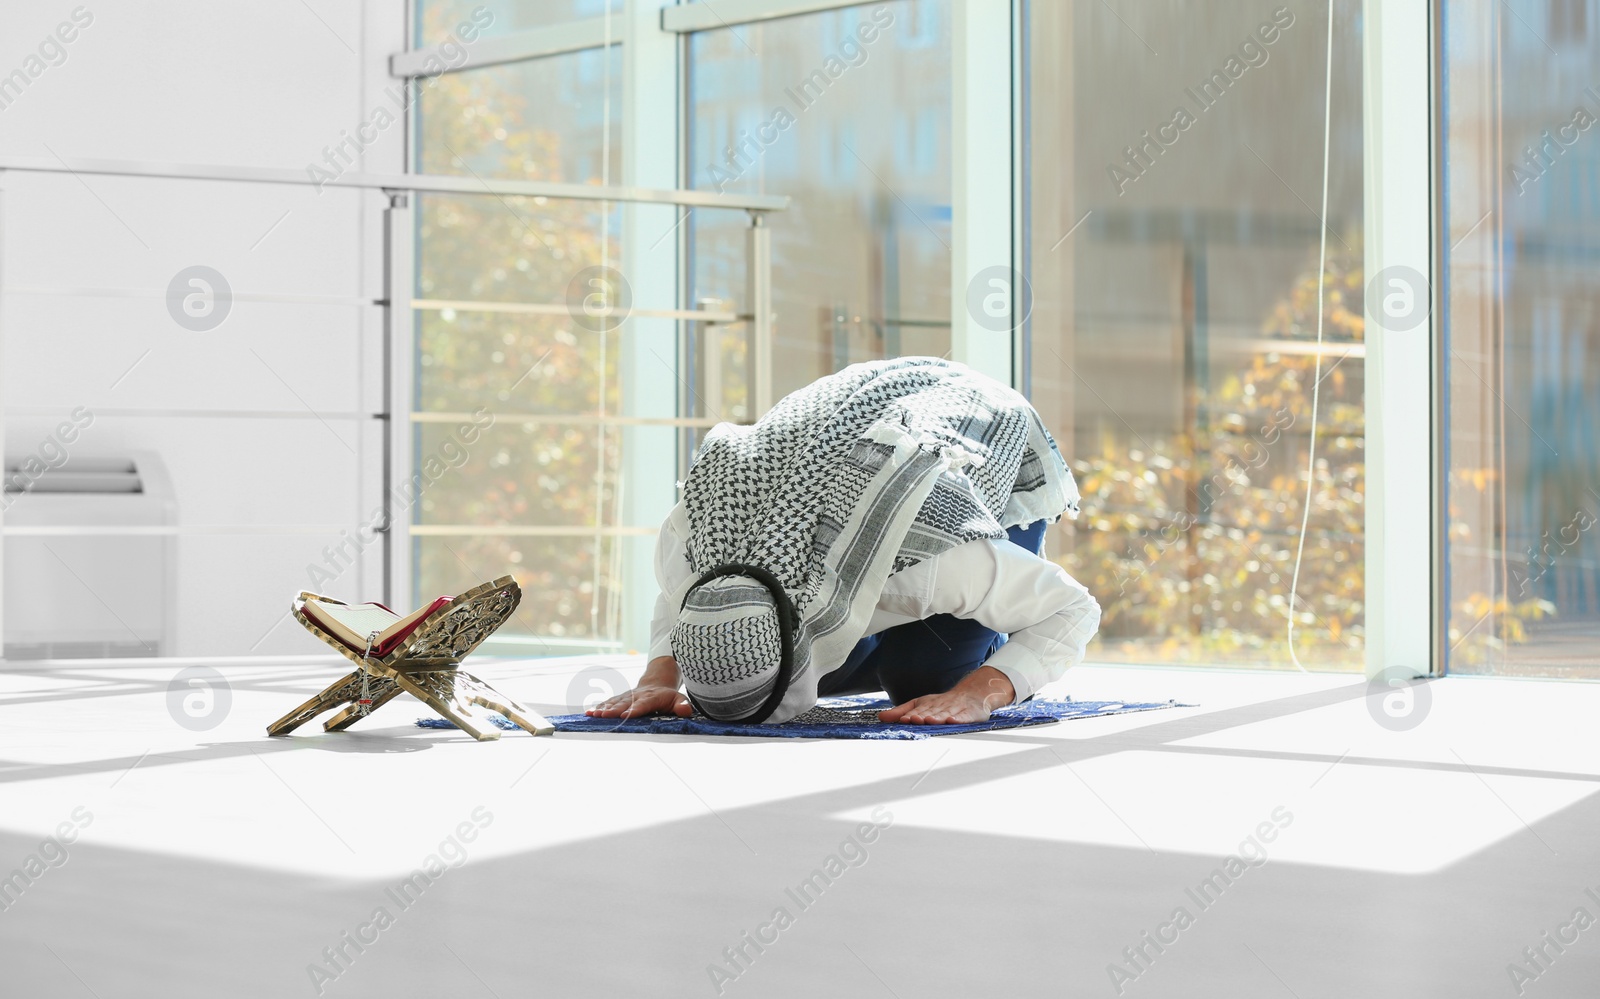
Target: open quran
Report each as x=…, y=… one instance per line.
x=418, y=653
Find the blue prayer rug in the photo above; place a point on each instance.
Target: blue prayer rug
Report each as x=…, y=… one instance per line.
x=840, y=718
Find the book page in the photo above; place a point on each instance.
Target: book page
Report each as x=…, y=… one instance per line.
x=360, y=620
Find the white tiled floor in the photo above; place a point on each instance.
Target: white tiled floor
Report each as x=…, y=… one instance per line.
x=220, y=863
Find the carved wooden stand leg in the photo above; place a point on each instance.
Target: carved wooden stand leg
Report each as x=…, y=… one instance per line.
x=455, y=693
x=350, y=715
x=346, y=690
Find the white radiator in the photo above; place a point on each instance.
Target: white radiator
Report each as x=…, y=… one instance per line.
x=90, y=560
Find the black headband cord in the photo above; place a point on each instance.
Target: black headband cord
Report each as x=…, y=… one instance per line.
x=788, y=622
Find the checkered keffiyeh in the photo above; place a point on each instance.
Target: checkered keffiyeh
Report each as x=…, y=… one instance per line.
x=854, y=477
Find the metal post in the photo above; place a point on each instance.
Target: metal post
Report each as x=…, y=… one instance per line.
x=709, y=344
x=398, y=341
x=758, y=293
x=3, y=176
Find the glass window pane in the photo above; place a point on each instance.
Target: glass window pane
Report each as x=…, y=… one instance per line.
x=1523, y=322
x=557, y=118
x=510, y=435
x=847, y=112
x=512, y=364
x=436, y=18
x=570, y=593
x=496, y=471
x=1172, y=208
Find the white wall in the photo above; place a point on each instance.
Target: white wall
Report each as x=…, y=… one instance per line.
x=87, y=262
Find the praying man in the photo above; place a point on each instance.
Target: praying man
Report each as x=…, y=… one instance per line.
x=879, y=529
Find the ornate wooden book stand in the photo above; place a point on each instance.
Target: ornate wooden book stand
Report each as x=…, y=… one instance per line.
x=425, y=665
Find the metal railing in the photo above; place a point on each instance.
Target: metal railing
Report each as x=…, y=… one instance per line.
x=398, y=305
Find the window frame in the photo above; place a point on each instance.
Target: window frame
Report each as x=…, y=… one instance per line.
x=1403, y=598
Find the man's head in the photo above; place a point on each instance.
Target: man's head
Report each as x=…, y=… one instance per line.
x=730, y=645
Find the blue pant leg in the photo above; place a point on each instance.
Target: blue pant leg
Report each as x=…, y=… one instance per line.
x=858, y=675
x=931, y=656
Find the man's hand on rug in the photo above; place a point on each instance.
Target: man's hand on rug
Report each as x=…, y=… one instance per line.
x=656, y=693
x=642, y=701
x=971, y=700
